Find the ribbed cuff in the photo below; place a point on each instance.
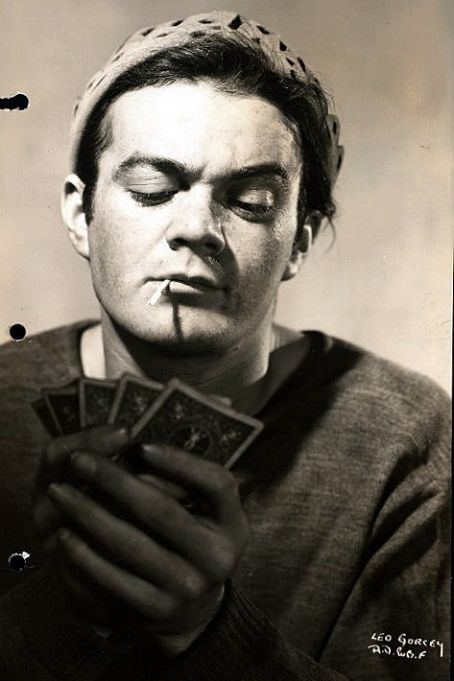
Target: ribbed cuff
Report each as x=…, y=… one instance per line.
x=236, y=639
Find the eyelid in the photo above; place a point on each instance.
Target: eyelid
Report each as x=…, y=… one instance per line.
x=153, y=198
x=253, y=214
x=254, y=191
x=260, y=201
x=150, y=186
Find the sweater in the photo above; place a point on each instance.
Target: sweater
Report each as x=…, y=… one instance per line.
x=347, y=494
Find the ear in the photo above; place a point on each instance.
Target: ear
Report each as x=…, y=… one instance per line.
x=74, y=215
x=303, y=244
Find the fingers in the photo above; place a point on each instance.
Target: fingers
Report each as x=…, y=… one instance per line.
x=121, y=542
x=104, y=440
x=148, y=507
x=46, y=517
x=208, y=479
x=131, y=590
x=170, y=488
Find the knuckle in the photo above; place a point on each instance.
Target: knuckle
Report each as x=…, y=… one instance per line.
x=223, y=482
x=192, y=587
x=166, y=607
x=166, y=511
x=223, y=561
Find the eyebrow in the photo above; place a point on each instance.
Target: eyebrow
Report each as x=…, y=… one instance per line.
x=180, y=170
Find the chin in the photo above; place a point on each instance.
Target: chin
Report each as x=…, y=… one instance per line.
x=190, y=333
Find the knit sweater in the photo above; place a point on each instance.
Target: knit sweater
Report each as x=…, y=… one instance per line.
x=346, y=490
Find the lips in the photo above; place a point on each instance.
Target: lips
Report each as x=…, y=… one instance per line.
x=194, y=281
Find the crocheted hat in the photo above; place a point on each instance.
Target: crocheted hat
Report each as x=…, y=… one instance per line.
x=143, y=43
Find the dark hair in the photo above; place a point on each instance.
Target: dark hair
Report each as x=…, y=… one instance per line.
x=238, y=66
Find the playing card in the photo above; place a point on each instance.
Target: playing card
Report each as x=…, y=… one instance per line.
x=134, y=396
x=95, y=401
x=185, y=418
x=46, y=416
x=63, y=404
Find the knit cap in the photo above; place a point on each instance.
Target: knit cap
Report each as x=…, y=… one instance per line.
x=152, y=39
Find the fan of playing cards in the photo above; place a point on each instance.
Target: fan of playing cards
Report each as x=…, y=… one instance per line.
x=174, y=414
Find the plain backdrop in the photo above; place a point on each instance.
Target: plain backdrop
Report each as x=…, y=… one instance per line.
x=385, y=282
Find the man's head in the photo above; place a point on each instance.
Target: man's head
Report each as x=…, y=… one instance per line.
x=214, y=136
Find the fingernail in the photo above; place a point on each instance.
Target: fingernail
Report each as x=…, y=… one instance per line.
x=121, y=436
x=64, y=534
x=151, y=449
x=84, y=464
x=103, y=439
x=59, y=492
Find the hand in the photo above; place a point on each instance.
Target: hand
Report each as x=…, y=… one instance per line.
x=144, y=549
x=54, y=466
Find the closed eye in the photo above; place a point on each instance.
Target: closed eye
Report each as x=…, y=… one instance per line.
x=152, y=199
x=257, y=203
x=257, y=208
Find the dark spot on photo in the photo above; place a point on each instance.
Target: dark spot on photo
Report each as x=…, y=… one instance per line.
x=17, y=562
x=19, y=101
x=17, y=332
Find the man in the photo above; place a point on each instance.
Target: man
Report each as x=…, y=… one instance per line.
x=203, y=162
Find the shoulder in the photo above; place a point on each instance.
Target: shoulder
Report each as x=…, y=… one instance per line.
x=382, y=404
x=372, y=378
x=44, y=357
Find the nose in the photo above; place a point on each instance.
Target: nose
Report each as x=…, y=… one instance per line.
x=197, y=225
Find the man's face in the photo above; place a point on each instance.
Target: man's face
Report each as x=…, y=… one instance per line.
x=200, y=187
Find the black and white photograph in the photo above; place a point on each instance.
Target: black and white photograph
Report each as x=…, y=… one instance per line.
x=225, y=340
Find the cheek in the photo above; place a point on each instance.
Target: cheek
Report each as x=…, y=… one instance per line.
x=264, y=257
x=119, y=239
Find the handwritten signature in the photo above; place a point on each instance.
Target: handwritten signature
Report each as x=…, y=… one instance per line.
x=405, y=646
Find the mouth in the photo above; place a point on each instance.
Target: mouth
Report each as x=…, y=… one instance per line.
x=184, y=287
x=185, y=282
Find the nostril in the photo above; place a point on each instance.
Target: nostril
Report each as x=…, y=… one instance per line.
x=177, y=243
x=213, y=248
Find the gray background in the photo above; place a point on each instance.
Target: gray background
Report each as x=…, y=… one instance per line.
x=385, y=283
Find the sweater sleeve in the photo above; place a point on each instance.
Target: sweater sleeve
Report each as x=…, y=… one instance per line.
x=241, y=644
x=39, y=641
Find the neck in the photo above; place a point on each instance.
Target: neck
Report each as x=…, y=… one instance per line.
x=224, y=373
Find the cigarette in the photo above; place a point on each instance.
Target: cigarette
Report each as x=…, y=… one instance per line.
x=159, y=291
